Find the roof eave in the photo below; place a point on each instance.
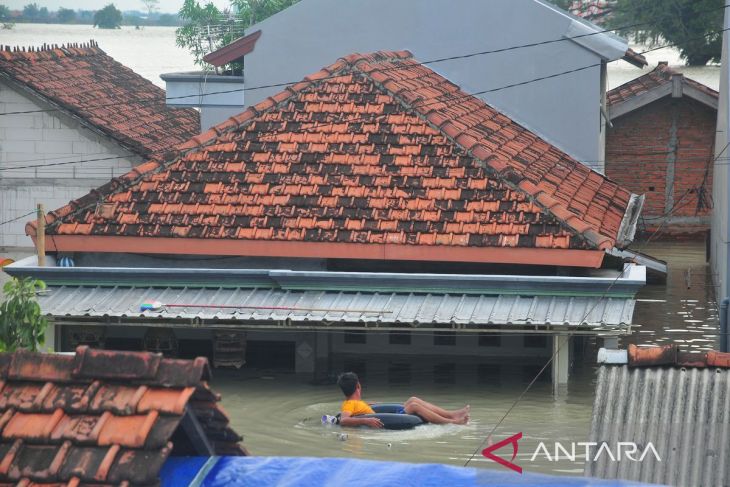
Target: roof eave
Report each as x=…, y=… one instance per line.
x=300, y=249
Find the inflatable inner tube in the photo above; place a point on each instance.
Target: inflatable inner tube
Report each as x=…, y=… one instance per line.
x=391, y=415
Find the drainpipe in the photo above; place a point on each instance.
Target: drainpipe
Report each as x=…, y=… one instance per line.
x=724, y=338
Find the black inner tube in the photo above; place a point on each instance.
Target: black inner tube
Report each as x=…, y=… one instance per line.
x=392, y=416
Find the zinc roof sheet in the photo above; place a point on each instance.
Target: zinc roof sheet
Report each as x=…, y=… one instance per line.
x=386, y=308
x=684, y=412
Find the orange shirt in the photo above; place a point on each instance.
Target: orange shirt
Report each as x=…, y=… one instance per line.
x=356, y=408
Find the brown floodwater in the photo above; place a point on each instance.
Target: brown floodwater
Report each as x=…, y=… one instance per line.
x=279, y=414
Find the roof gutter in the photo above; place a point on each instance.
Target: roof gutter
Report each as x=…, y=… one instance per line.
x=626, y=284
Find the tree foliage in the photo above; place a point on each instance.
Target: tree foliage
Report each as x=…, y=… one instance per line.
x=693, y=26
x=4, y=13
x=108, y=18
x=208, y=28
x=21, y=323
x=66, y=15
x=151, y=5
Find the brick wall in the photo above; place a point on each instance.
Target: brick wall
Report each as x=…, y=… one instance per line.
x=664, y=151
x=37, y=139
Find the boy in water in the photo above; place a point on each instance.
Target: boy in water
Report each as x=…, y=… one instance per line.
x=354, y=406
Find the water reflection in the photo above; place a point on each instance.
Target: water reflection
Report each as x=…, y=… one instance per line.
x=682, y=312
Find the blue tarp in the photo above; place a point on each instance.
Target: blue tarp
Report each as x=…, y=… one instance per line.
x=335, y=472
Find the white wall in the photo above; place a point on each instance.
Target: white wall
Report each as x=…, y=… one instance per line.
x=36, y=139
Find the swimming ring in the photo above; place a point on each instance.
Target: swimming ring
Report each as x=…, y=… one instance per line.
x=392, y=415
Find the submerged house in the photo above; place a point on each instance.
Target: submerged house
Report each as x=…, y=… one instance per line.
x=672, y=400
x=528, y=59
x=99, y=417
x=373, y=208
x=72, y=118
x=661, y=144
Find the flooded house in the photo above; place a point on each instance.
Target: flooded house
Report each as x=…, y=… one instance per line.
x=661, y=144
x=372, y=209
x=73, y=118
x=491, y=45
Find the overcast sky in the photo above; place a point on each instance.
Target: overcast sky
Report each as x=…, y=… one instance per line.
x=166, y=6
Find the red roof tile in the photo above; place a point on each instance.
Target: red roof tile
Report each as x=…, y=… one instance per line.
x=102, y=417
x=373, y=149
x=659, y=76
x=671, y=355
x=106, y=95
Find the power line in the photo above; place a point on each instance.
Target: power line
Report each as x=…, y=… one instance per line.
x=537, y=376
x=65, y=163
x=18, y=218
x=420, y=107
x=422, y=63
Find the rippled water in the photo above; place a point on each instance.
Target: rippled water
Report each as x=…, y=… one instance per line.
x=280, y=414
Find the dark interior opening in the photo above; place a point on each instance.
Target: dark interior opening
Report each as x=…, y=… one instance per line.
x=126, y=344
x=190, y=349
x=269, y=354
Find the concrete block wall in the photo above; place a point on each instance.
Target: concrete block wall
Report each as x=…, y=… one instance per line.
x=29, y=143
x=665, y=151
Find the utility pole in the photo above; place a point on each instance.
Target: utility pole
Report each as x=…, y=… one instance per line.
x=720, y=234
x=40, y=236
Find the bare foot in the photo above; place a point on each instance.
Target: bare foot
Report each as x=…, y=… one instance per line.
x=462, y=420
x=460, y=412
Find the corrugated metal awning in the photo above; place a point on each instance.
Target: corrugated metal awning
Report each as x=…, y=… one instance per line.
x=298, y=306
x=682, y=412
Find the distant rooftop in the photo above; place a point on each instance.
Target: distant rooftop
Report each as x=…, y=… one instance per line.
x=82, y=81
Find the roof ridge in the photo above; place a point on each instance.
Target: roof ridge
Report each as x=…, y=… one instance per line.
x=68, y=49
x=480, y=152
x=470, y=134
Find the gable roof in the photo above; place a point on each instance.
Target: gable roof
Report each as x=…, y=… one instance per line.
x=104, y=417
x=660, y=82
x=375, y=150
x=104, y=95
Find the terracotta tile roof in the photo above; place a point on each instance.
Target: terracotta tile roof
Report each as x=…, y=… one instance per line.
x=659, y=76
x=106, y=95
x=671, y=355
x=103, y=417
x=374, y=149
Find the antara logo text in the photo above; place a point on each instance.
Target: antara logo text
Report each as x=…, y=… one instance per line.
x=588, y=450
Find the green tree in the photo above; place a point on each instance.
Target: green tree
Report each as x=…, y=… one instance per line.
x=693, y=26
x=167, y=19
x=66, y=15
x=4, y=13
x=108, y=18
x=206, y=28
x=151, y=6
x=253, y=11
x=31, y=12
x=21, y=323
